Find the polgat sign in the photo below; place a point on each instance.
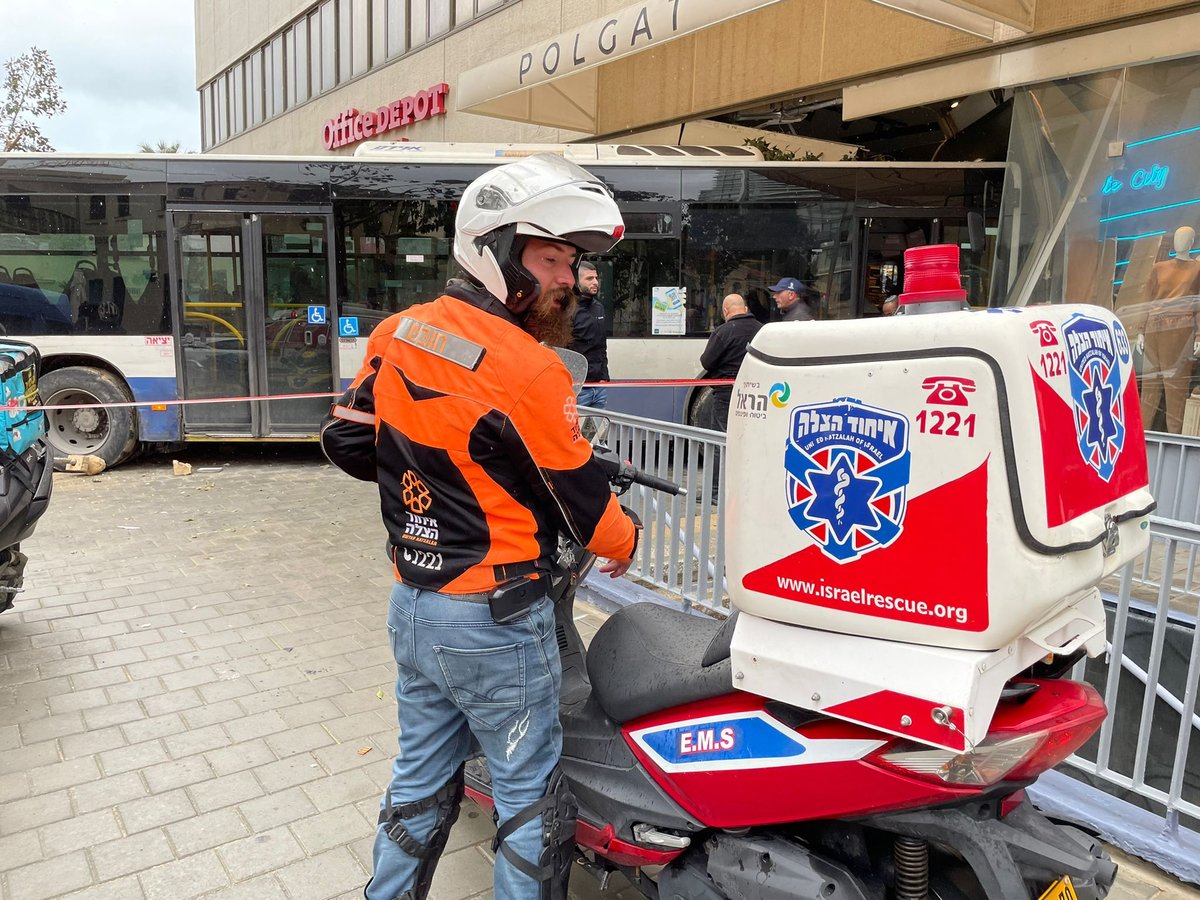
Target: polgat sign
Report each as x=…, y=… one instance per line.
x=635, y=27
x=351, y=126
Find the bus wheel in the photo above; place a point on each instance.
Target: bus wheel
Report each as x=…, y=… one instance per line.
x=107, y=433
x=700, y=413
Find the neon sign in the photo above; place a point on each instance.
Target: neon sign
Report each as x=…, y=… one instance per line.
x=1154, y=177
x=1153, y=209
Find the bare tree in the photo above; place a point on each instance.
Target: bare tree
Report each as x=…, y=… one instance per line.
x=160, y=147
x=31, y=92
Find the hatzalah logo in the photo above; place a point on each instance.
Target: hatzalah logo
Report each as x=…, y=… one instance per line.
x=414, y=495
x=1097, y=391
x=848, y=467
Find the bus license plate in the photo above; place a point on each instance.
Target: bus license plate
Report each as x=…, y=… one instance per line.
x=1060, y=890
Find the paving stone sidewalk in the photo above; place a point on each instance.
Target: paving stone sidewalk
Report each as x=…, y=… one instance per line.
x=196, y=691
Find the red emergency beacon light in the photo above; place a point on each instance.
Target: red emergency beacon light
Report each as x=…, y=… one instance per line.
x=931, y=275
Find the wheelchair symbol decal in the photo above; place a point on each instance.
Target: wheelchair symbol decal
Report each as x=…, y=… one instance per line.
x=348, y=326
x=316, y=315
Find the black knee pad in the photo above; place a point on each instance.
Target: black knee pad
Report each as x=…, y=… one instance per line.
x=447, y=802
x=558, y=811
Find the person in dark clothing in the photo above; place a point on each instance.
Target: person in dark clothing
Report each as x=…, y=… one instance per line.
x=792, y=297
x=726, y=348
x=589, y=335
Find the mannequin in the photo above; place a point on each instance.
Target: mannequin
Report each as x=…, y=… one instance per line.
x=1168, y=336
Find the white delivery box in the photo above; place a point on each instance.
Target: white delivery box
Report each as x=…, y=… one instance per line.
x=958, y=481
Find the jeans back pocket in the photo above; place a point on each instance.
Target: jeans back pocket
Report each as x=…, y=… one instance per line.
x=488, y=685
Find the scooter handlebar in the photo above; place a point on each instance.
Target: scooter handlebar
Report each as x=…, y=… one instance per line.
x=658, y=484
x=622, y=474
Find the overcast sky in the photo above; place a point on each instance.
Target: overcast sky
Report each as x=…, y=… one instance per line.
x=127, y=69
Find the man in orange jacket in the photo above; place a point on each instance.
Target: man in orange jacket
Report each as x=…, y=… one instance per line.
x=468, y=424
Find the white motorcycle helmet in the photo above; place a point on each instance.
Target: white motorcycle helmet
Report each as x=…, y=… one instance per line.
x=542, y=196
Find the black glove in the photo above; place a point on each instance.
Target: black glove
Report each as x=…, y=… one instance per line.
x=637, y=528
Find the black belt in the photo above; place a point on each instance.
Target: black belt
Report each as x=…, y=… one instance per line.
x=470, y=598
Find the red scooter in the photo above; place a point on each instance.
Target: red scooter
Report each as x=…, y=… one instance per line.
x=918, y=514
x=697, y=791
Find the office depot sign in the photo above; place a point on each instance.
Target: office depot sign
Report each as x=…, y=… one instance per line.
x=351, y=126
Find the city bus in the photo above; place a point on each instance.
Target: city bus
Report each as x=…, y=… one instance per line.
x=253, y=283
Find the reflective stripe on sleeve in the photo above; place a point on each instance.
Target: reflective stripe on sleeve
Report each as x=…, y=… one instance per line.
x=353, y=415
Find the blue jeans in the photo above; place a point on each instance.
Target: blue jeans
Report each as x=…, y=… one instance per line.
x=595, y=397
x=464, y=683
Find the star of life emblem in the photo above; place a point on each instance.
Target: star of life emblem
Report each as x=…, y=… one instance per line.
x=848, y=467
x=1094, y=353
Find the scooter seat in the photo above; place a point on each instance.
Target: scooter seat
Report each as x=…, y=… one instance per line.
x=647, y=657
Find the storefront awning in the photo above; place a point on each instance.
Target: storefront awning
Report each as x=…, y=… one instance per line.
x=555, y=81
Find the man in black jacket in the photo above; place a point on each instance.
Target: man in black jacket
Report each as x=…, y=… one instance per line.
x=589, y=335
x=722, y=356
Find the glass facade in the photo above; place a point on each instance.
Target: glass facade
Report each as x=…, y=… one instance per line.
x=1102, y=207
x=333, y=42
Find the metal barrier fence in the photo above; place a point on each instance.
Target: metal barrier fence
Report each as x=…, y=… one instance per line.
x=1175, y=476
x=1159, y=652
x=682, y=549
x=1143, y=748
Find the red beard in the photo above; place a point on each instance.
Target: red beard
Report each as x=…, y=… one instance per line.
x=549, y=318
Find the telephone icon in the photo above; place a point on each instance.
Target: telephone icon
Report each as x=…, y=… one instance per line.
x=947, y=390
x=1045, y=331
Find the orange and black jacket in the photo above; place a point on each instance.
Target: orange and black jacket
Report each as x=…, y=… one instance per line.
x=469, y=427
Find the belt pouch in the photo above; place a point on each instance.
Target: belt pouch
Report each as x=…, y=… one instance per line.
x=512, y=600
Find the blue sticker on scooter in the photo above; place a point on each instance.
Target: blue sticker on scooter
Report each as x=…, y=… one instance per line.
x=700, y=743
x=1097, y=391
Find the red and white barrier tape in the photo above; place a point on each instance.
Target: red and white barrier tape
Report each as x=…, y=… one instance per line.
x=130, y=404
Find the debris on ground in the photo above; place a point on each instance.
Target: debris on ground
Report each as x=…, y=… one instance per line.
x=84, y=465
x=181, y=468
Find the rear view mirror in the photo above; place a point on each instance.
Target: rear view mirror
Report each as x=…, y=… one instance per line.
x=976, y=232
x=594, y=428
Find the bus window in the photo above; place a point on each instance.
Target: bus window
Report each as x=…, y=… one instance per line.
x=744, y=247
x=82, y=264
x=627, y=275
x=392, y=254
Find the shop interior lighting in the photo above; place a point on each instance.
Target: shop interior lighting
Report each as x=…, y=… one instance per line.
x=1172, y=254
x=1162, y=137
x=1134, y=237
x=950, y=14
x=1152, y=209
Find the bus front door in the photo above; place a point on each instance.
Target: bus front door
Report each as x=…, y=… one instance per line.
x=255, y=320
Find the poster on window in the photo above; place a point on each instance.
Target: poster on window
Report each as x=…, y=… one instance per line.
x=669, y=305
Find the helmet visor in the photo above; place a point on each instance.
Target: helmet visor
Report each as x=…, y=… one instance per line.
x=516, y=183
x=592, y=241
x=588, y=240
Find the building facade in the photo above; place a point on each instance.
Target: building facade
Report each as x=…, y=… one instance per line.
x=272, y=75
x=1095, y=109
